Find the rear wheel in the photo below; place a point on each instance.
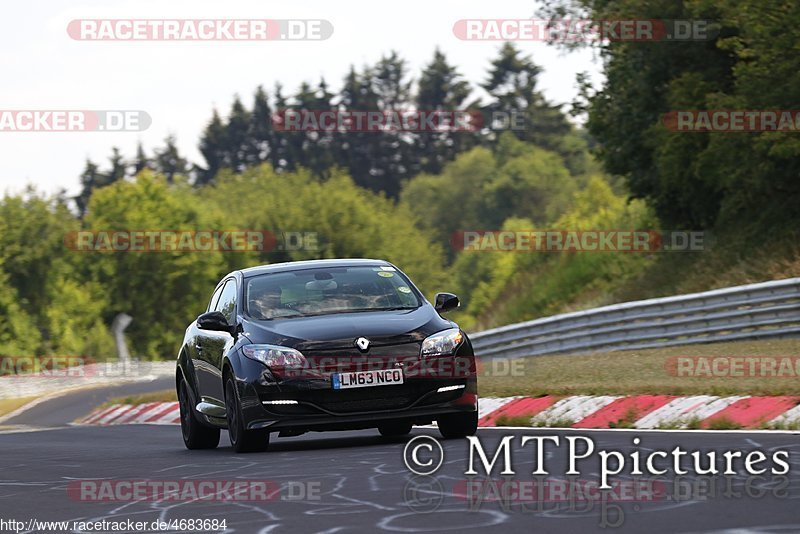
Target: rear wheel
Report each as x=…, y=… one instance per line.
x=393, y=429
x=195, y=434
x=242, y=439
x=458, y=425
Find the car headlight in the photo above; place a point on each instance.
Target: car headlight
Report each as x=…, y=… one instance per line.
x=275, y=355
x=444, y=342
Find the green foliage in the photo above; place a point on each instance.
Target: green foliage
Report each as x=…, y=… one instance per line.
x=16, y=336
x=700, y=180
x=73, y=320
x=160, y=290
x=481, y=189
x=349, y=221
x=517, y=286
x=404, y=196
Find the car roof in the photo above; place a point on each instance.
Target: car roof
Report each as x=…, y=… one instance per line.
x=309, y=264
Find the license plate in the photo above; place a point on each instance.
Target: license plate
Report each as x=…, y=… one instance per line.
x=364, y=379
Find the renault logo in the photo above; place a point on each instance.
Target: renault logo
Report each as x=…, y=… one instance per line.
x=362, y=343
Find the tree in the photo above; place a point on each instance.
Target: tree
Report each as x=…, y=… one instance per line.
x=284, y=155
x=90, y=178
x=317, y=147
x=441, y=88
x=512, y=84
x=260, y=135
x=355, y=148
x=691, y=179
x=237, y=143
x=119, y=169
x=168, y=160
x=212, y=146
x=142, y=161
x=163, y=291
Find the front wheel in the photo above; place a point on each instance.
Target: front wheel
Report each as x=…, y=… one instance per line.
x=195, y=434
x=242, y=439
x=458, y=425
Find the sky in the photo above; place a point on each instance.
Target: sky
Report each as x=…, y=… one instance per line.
x=178, y=84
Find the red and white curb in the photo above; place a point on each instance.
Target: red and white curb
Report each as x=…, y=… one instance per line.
x=580, y=411
x=154, y=413
x=644, y=411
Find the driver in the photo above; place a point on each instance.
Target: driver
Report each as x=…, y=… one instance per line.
x=265, y=303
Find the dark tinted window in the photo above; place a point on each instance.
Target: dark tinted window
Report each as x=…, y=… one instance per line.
x=227, y=301
x=328, y=290
x=212, y=304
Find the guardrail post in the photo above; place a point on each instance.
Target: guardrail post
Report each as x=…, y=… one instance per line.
x=118, y=326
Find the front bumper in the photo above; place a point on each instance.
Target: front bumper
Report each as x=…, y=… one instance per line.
x=315, y=405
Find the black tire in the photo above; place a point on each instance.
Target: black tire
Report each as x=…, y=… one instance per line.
x=458, y=425
x=196, y=435
x=242, y=440
x=394, y=429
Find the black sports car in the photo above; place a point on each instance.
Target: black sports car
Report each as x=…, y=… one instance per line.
x=323, y=345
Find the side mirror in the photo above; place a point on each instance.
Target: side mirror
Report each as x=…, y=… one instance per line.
x=445, y=302
x=213, y=320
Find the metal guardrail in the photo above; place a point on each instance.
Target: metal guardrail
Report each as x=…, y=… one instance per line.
x=768, y=309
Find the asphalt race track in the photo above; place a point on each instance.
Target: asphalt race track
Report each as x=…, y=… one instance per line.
x=361, y=483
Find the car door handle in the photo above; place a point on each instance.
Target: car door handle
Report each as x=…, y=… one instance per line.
x=199, y=348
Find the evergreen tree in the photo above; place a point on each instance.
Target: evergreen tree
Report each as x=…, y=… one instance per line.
x=168, y=160
x=316, y=147
x=512, y=84
x=260, y=136
x=142, y=161
x=284, y=155
x=90, y=178
x=119, y=169
x=237, y=129
x=441, y=88
x=212, y=147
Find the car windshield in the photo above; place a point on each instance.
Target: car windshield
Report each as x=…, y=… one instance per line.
x=325, y=291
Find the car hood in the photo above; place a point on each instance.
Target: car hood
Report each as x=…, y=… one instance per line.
x=340, y=330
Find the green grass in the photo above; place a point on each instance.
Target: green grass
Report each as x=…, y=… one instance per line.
x=9, y=405
x=554, y=423
x=781, y=425
x=584, y=280
x=627, y=421
x=637, y=372
x=513, y=420
x=167, y=395
x=723, y=423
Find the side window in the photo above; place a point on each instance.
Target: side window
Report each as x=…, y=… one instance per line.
x=227, y=301
x=213, y=302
